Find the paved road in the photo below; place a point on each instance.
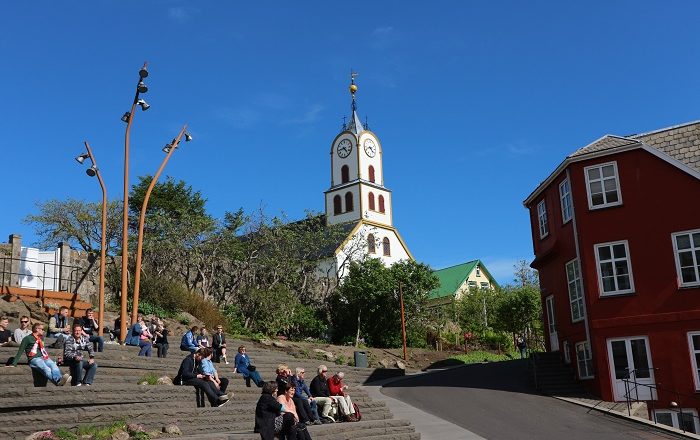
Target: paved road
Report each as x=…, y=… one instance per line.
x=495, y=401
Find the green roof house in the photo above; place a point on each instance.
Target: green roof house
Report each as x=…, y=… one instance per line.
x=456, y=280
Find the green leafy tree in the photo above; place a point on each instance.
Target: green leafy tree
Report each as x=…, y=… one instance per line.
x=76, y=222
x=367, y=302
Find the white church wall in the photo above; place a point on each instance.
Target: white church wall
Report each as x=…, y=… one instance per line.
x=366, y=161
x=375, y=215
x=338, y=162
x=346, y=216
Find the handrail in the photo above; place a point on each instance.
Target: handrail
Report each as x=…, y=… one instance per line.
x=655, y=387
x=71, y=279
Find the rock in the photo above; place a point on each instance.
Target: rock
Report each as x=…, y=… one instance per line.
x=400, y=365
x=85, y=437
x=384, y=363
x=319, y=351
x=120, y=435
x=266, y=342
x=143, y=383
x=329, y=356
x=164, y=380
x=172, y=430
x=133, y=428
x=154, y=434
x=42, y=435
x=279, y=344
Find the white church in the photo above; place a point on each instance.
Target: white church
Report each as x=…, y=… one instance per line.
x=358, y=200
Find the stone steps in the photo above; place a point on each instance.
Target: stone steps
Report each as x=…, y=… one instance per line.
x=116, y=395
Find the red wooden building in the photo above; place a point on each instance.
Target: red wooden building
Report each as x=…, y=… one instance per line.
x=616, y=236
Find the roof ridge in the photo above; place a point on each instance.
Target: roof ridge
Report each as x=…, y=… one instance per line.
x=455, y=265
x=685, y=124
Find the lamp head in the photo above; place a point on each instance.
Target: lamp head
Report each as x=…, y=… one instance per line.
x=81, y=158
x=167, y=148
x=188, y=137
x=142, y=88
x=143, y=73
x=92, y=171
x=144, y=105
x=126, y=117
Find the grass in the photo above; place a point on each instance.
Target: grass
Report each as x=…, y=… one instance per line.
x=474, y=357
x=105, y=432
x=150, y=378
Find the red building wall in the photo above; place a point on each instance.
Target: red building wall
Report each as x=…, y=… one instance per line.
x=658, y=199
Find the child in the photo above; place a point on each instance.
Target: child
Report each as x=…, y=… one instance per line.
x=203, y=339
x=208, y=369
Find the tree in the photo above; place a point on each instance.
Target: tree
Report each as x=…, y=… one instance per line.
x=76, y=222
x=368, y=300
x=475, y=309
x=525, y=275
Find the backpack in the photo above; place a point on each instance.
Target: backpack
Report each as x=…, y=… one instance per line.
x=358, y=415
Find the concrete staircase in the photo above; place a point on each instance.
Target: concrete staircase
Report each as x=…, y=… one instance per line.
x=553, y=377
x=116, y=395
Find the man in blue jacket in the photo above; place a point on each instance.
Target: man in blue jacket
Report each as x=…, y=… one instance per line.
x=189, y=340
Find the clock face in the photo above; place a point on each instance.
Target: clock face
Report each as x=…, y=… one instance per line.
x=344, y=148
x=370, y=147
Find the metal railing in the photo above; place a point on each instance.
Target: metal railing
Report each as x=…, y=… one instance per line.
x=65, y=278
x=632, y=387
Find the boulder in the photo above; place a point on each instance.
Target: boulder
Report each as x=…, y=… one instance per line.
x=279, y=344
x=120, y=435
x=172, y=430
x=164, y=380
x=384, y=363
x=42, y=435
x=266, y=342
x=400, y=365
x=134, y=428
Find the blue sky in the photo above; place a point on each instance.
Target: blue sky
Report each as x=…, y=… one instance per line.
x=474, y=102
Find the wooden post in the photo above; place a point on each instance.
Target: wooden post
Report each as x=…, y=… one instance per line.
x=403, y=322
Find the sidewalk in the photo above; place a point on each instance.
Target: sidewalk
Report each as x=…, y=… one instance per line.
x=429, y=426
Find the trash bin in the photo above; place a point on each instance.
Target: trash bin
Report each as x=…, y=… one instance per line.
x=361, y=359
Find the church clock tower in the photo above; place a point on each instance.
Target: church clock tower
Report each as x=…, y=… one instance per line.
x=357, y=189
x=358, y=199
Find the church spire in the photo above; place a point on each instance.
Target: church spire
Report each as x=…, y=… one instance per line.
x=355, y=124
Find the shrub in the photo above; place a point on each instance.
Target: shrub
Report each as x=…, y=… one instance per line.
x=163, y=293
x=496, y=341
x=204, y=309
x=150, y=378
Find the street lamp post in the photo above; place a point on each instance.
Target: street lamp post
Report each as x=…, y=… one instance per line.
x=95, y=171
x=128, y=118
x=169, y=149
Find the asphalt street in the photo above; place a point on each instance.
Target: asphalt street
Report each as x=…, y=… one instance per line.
x=495, y=401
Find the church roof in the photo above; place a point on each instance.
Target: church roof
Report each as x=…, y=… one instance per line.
x=451, y=278
x=330, y=247
x=355, y=124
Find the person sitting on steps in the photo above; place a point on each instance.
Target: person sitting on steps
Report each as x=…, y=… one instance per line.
x=203, y=338
x=288, y=406
x=59, y=327
x=244, y=366
x=337, y=389
x=38, y=357
x=161, y=340
x=73, y=349
x=303, y=397
x=207, y=367
x=189, y=340
x=22, y=331
x=269, y=418
x=218, y=343
x=322, y=395
x=91, y=329
x=190, y=374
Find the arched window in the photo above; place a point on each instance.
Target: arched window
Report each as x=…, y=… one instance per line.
x=371, y=173
x=381, y=203
x=337, y=205
x=371, y=201
x=371, y=245
x=348, y=202
x=386, y=246
x=344, y=174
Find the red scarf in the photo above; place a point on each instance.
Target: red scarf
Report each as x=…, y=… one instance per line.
x=39, y=348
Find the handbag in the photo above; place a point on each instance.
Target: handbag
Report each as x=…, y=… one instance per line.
x=251, y=367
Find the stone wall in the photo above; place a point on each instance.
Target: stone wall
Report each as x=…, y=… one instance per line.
x=76, y=268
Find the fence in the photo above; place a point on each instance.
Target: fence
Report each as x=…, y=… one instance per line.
x=49, y=275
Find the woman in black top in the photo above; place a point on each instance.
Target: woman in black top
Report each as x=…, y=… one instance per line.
x=269, y=419
x=161, y=341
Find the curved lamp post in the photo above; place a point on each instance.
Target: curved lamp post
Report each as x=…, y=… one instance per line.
x=169, y=149
x=128, y=118
x=94, y=171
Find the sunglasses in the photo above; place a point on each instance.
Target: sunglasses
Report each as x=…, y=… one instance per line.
x=324, y=371
x=24, y=322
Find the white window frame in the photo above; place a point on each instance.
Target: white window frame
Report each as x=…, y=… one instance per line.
x=577, y=286
x=675, y=413
x=693, y=362
x=587, y=361
x=602, y=181
x=627, y=258
x=472, y=284
x=693, y=250
x=566, y=202
x=567, y=352
x=542, y=219
x=484, y=285
x=478, y=271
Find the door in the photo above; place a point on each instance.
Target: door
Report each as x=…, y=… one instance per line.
x=552, y=324
x=630, y=358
